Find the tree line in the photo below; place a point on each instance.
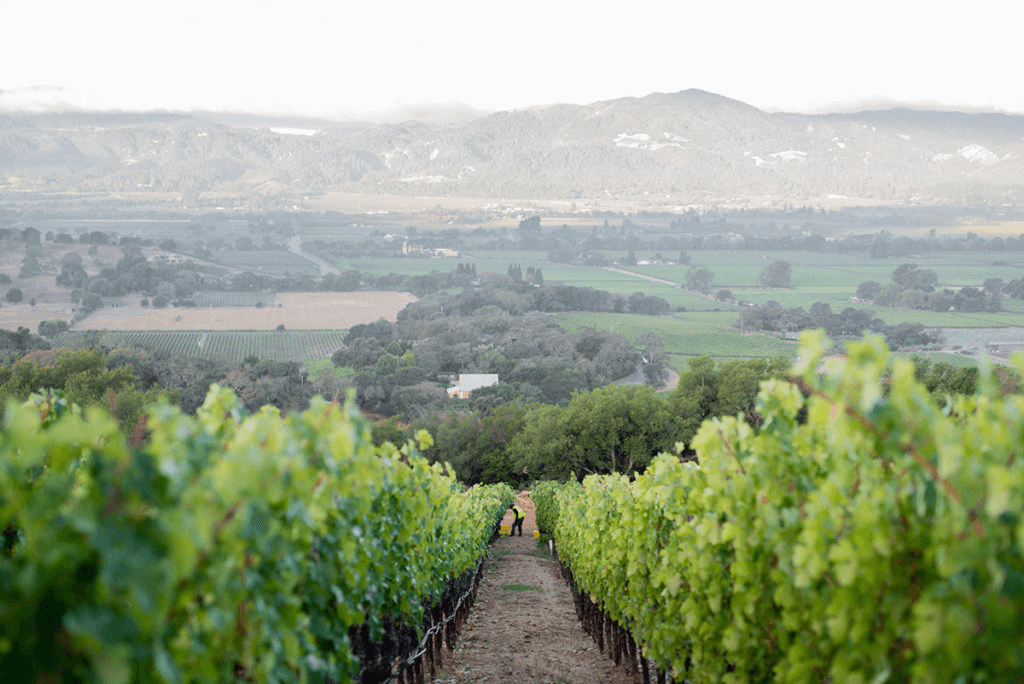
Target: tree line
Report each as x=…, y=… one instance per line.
x=850, y=323
x=621, y=428
x=124, y=381
x=403, y=367
x=543, y=423
x=615, y=428
x=913, y=287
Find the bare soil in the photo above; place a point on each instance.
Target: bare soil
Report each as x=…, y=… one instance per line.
x=523, y=626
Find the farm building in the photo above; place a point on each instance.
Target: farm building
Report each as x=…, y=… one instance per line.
x=1005, y=347
x=438, y=253
x=471, y=381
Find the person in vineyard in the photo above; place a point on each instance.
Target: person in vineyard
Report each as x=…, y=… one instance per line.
x=518, y=522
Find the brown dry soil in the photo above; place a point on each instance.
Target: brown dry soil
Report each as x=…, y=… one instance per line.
x=523, y=626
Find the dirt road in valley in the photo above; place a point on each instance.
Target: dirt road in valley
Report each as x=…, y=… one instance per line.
x=523, y=626
x=641, y=275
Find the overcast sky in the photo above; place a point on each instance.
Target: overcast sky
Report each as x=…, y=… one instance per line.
x=351, y=57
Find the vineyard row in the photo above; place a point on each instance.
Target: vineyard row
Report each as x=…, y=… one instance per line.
x=226, y=549
x=234, y=345
x=861, y=534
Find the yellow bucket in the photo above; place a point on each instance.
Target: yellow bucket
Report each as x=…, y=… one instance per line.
x=505, y=528
x=536, y=534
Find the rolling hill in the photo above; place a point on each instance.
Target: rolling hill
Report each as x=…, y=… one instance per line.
x=680, y=148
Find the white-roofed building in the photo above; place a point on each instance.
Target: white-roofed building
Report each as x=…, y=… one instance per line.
x=471, y=381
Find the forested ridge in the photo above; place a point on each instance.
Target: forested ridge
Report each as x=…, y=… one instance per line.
x=569, y=151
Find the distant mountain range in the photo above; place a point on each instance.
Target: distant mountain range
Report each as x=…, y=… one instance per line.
x=691, y=147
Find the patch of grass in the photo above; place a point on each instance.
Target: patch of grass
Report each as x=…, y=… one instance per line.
x=955, y=360
x=316, y=367
x=542, y=551
x=952, y=319
x=686, y=334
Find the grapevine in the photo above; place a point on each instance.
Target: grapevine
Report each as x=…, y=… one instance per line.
x=863, y=534
x=265, y=548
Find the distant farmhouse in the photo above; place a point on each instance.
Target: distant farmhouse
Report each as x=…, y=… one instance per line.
x=440, y=253
x=1005, y=347
x=471, y=381
x=166, y=259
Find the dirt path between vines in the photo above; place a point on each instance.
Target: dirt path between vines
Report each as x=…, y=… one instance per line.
x=523, y=626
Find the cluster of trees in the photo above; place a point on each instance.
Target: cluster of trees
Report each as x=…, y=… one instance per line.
x=776, y=274
x=162, y=284
x=126, y=380
x=14, y=345
x=166, y=284
x=942, y=379
x=616, y=428
x=850, y=323
x=1014, y=288
x=620, y=428
x=281, y=224
x=87, y=378
x=283, y=384
x=53, y=327
x=699, y=280
x=533, y=275
x=915, y=288
x=513, y=432
x=33, y=238
x=490, y=330
x=401, y=368
x=30, y=266
x=520, y=298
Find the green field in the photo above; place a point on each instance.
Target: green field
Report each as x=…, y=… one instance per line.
x=686, y=334
x=402, y=265
x=319, y=367
x=734, y=269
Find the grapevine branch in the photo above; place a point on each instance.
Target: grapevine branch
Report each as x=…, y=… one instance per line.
x=911, y=449
x=728, y=447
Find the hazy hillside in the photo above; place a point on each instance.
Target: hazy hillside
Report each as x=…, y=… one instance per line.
x=681, y=148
